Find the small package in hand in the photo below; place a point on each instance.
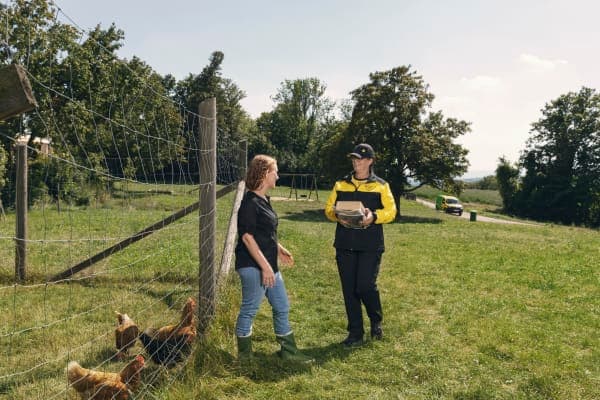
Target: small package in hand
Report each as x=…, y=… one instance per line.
x=350, y=214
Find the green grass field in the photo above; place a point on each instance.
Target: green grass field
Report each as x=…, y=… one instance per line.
x=472, y=311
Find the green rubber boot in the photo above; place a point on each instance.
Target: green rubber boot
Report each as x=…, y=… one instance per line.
x=244, y=348
x=289, y=351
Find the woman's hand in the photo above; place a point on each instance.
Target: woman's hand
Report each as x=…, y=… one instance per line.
x=368, y=217
x=268, y=277
x=285, y=256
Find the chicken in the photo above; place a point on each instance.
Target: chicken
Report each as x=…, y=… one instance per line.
x=126, y=334
x=99, y=385
x=172, y=343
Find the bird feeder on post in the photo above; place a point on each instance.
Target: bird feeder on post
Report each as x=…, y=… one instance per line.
x=16, y=96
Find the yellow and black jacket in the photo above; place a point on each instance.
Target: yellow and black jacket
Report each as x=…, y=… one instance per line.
x=375, y=194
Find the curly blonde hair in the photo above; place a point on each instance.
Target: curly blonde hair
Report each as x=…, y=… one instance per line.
x=258, y=169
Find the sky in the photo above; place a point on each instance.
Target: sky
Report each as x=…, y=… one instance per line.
x=493, y=63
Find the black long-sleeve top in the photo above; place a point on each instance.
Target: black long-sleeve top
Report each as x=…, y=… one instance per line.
x=257, y=217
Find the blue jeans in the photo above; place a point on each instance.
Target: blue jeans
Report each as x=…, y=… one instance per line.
x=253, y=293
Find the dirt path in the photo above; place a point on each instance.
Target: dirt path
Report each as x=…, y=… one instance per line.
x=466, y=215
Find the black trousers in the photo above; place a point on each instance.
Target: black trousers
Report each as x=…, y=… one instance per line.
x=358, y=274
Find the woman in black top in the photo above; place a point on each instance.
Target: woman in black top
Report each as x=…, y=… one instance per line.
x=257, y=254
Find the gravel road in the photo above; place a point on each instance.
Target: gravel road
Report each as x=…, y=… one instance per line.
x=466, y=215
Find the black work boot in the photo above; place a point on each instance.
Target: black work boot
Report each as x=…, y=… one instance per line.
x=376, y=331
x=353, y=341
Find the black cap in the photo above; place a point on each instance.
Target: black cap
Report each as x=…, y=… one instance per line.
x=362, y=150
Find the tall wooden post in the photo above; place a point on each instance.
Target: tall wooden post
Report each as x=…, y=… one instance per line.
x=208, y=216
x=21, y=209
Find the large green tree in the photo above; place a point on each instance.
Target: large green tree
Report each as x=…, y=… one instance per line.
x=393, y=113
x=297, y=127
x=232, y=119
x=562, y=161
x=116, y=112
x=31, y=37
x=233, y=123
x=100, y=112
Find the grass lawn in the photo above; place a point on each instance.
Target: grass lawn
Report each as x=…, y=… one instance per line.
x=472, y=311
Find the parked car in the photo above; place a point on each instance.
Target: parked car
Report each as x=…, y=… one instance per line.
x=449, y=204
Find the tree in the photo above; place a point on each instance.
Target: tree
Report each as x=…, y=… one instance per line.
x=233, y=123
x=391, y=112
x=97, y=109
x=295, y=127
x=507, y=177
x=33, y=38
x=194, y=89
x=562, y=161
x=115, y=110
x=488, y=182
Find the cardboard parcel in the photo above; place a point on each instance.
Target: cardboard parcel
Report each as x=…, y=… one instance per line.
x=350, y=213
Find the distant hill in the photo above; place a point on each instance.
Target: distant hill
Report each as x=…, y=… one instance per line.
x=472, y=180
x=473, y=176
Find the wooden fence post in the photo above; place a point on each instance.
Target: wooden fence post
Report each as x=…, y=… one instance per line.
x=21, y=209
x=208, y=178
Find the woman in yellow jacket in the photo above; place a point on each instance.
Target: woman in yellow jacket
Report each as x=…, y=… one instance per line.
x=359, y=248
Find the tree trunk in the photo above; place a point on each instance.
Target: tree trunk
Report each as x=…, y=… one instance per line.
x=398, y=214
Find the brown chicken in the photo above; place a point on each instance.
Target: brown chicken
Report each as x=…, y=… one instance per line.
x=99, y=385
x=126, y=334
x=172, y=343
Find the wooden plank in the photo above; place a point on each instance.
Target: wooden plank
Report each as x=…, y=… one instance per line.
x=16, y=96
x=231, y=238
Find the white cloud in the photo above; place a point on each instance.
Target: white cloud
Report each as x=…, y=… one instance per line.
x=482, y=82
x=454, y=100
x=455, y=106
x=540, y=63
